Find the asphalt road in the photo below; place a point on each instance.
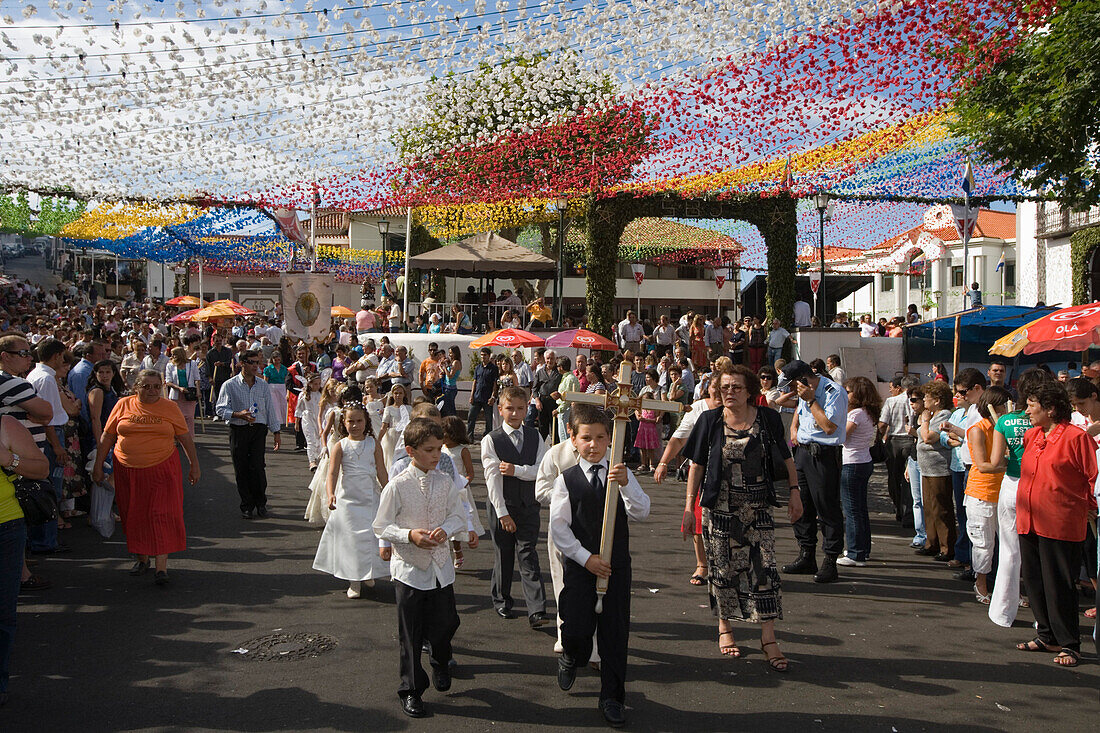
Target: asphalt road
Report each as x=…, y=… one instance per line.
x=895, y=646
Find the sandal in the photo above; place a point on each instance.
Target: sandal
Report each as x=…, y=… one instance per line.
x=459, y=559
x=981, y=597
x=778, y=662
x=1090, y=612
x=62, y=524
x=34, y=582
x=698, y=579
x=1037, y=645
x=729, y=650
x=1068, y=658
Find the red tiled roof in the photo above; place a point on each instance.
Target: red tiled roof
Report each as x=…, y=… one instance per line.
x=832, y=254
x=991, y=224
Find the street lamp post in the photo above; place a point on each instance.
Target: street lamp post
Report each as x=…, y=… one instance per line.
x=384, y=230
x=822, y=202
x=559, y=278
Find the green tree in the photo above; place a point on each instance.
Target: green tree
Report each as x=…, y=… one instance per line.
x=1035, y=106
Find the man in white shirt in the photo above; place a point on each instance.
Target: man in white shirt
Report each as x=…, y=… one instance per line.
x=155, y=359
x=777, y=340
x=508, y=298
x=524, y=375
x=631, y=333
x=663, y=336
x=51, y=356
x=836, y=373
x=867, y=327
x=802, y=315
x=712, y=336
x=275, y=333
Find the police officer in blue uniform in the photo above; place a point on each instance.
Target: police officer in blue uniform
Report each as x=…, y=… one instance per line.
x=818, y=434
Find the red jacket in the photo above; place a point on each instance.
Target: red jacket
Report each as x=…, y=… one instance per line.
x=1056, y=480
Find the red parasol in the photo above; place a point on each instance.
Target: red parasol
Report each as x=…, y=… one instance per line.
x=185, y=316
x=507, y=337
x=1070, y=329
x=580, y=338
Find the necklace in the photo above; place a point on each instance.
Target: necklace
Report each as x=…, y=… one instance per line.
x=739, y=423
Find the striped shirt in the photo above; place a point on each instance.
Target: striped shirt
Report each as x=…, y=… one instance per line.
x=13, y=392
x=236, y=395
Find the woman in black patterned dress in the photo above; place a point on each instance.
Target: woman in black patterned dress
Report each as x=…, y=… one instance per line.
x=732, y=450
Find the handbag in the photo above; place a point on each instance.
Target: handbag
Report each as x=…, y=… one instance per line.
x=878, y=450
x=191, y=394
x=775, y=463
x=36, y=499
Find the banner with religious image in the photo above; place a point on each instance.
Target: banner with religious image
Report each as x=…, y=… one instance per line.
x=307, y=306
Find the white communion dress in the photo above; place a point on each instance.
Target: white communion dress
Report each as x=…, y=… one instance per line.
x=349, y=547
x=317, y=510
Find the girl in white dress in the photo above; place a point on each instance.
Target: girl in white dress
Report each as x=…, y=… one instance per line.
x=375, y=405
x=349, y=547
x=454, y=445
x=332, y=429
x=395, y=418
x=307, y=412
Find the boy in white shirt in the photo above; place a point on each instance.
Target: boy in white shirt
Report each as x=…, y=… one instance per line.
x=576, y=522
x=419, y=509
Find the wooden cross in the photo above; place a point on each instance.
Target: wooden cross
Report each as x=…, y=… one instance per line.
x=622, y=401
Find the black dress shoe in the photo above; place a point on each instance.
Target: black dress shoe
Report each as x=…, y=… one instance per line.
x=942, y=557
x=139, y=568
x=505, y=613
x=806, y=564
x=246, y=514
x=161, y=577
x=567, y=674
x=613, y=713
x=261, y=511
x=827, y=573
x=966, y=576
x=441, y=678
x=413, y=706
x=926, y=552
x=538, y=619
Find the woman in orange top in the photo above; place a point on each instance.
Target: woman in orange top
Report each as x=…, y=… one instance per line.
x=982, y=489
x=698, y=342
x=1057, y=472
x=143, y=430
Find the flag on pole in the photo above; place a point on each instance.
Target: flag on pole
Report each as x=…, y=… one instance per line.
x=788, y=176
x=919, y=265
x=1001, y=262
x=968, y=178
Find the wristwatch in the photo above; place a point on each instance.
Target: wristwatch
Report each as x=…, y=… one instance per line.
x=14, y=460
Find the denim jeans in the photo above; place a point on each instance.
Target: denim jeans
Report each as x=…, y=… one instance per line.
x=449, y=394
x=773, y=355
x=918, y=503
x=853, y=497
x=13, y=540
x=962, y=542
x=44, y=536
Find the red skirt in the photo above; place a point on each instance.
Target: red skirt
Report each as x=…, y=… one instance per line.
x=150, y=502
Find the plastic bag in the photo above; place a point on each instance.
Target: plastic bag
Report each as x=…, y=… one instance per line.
x=101, y=515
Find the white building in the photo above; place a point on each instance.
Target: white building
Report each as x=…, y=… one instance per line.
x=924, y=266
x=1043, y=230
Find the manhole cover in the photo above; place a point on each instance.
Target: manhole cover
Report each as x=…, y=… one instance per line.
x=278, y=647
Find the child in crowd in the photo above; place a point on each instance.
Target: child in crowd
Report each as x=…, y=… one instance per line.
x=455, y=441
x=332, y=430
x=576, y=525
x=307, y=417
x=419, y=509
x=510, y=457
x=349, y=547
x=648, y=440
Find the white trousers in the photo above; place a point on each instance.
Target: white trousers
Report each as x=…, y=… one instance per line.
x=1006, y=590
x=557, y=578
x=981, y=528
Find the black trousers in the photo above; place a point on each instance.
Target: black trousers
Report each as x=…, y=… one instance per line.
x=819, y=478
x=423, y=615
x=507, y=546
x=579, y=620
x=247, y=444
x=1049, y=570
x=546, y=414
x=898, y=450
x=477, y=409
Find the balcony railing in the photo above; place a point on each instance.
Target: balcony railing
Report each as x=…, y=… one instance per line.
x=1053, y=220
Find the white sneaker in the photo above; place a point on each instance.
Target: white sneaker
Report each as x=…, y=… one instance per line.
x=353, y=589
x=849, y=562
